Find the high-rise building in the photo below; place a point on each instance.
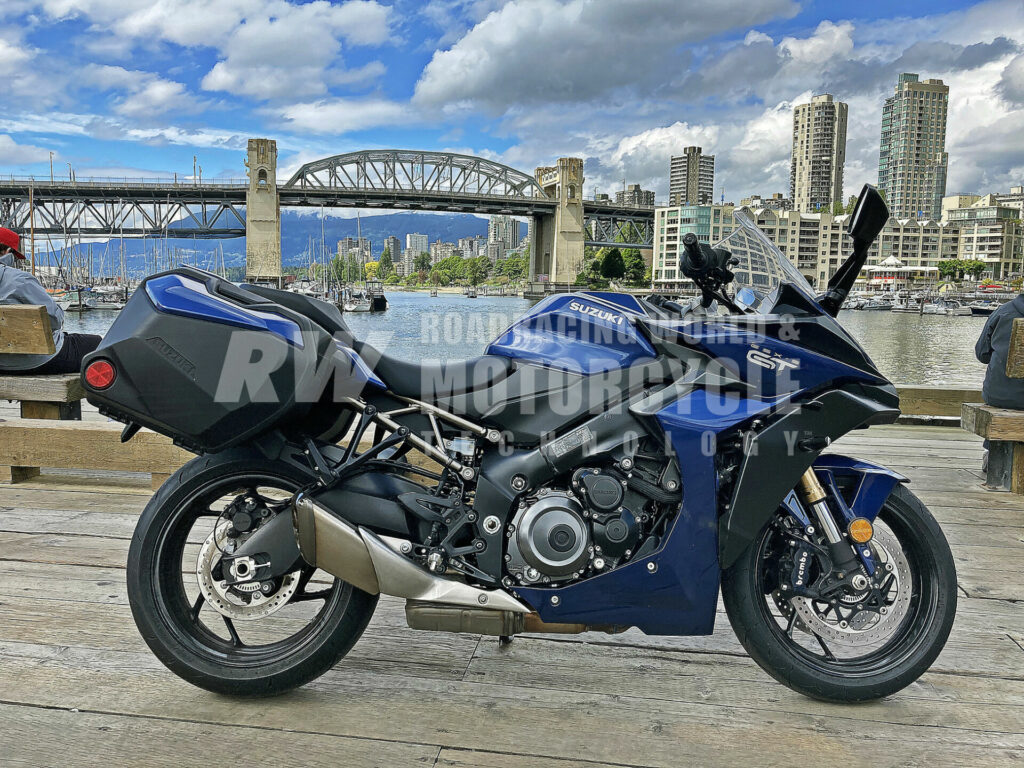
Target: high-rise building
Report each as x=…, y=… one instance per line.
x=912, y=157
x=360, y=248
x=691, y=179
x=417, y=242
x=633, y=195
x=503, y=230
x=394, y=248
x=776, y=202
x=819, y=154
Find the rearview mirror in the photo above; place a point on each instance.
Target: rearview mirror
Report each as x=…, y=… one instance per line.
x=869, y=217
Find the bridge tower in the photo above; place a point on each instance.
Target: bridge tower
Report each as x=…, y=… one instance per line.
x=262, y=214
x=556, y=241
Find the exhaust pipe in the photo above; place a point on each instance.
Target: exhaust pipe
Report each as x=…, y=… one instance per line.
x=364, y=560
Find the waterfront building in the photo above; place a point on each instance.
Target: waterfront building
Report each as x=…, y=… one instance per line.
x=993, y=233
x=601, y=198
x=818, y=155
x=949, y=202
x=776, y=202
x=504, y=230
x=1012, y=199
x=633, y=195
x=495, y=251
x=474, y=246
x=417, y=242
x=815, y=243
x=691, y=179
x=912, y=157
x=409, y=259
x=440, y=250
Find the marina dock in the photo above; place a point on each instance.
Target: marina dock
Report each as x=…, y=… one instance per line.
x=78, y=685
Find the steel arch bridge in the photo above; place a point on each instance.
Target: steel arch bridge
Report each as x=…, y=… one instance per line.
x=425, y=173
x=385, y=178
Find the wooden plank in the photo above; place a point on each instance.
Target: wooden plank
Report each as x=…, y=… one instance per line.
x=102, y=740
x=25, y=329
x=993, y=423
x=55, y=388
x=1015, y=354
x=935, y=401
x=87, y=445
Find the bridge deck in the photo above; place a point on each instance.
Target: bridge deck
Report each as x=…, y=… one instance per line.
x=77, y=685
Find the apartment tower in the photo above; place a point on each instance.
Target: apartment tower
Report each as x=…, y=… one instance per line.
x=691, y=179
x=912, y=157
x=819, y=154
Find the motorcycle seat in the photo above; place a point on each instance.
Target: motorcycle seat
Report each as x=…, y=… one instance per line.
x=434, y=381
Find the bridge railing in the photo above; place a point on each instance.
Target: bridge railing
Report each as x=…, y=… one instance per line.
x=127, y=181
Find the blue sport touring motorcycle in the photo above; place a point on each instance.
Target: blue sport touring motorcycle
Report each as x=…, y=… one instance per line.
x=609, y=464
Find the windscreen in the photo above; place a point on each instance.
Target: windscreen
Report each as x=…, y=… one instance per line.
x=762, y=266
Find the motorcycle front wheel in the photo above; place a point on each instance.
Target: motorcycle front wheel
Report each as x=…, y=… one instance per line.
x=854, y=647
x=257, y=639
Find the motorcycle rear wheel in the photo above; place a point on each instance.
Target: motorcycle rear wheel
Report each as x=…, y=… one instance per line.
x=190, y=633
x=784, y=651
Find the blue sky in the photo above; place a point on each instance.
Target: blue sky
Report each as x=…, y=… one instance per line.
x=137, y=87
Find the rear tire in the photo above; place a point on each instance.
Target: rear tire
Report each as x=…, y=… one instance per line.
x=918, y=641
x=162, y=608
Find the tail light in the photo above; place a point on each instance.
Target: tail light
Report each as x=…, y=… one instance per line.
x=100, y=374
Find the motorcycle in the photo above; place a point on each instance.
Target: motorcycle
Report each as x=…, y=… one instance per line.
x=609, y=463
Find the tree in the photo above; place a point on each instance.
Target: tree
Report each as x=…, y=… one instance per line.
x=386, y=265
x=422, y=262
x=952, y=268
x=612, y=265
x=370, y=270
x=475, y=271
x=974, y=267
x=635, y=266
x=851, y=204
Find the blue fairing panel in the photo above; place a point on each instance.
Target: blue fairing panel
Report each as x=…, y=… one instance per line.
x=359, y=370
x=576, y=333
x=673, y=591
x=180, y=295
x=873, y=482
x=622, y=300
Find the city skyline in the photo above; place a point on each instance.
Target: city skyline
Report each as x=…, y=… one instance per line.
x=123, y=88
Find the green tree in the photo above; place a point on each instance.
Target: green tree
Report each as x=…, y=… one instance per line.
x=851, y=204
x=974, y=267
x=475, y=271
x=635, y=266
x=387, y=266
x=952, y=268
x=370, y=270
x=422, y=262
x=838, y=208
x=612, y=265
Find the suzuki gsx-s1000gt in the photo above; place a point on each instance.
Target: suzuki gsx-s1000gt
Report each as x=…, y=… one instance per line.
x=609, y=463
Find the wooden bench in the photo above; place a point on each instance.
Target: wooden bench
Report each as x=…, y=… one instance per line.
x=25, y=329
x=1002, y=427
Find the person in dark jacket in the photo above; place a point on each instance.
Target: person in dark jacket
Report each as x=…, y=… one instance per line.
x=20, y=287
x=999, y=390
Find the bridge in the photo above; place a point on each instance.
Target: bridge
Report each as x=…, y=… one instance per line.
x=561, y=221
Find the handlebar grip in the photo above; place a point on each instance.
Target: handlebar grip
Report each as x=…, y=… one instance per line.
x=694, y=254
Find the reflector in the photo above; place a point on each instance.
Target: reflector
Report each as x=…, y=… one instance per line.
x=100, y=374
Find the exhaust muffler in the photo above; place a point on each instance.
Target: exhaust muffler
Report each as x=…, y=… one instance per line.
x=363, y=559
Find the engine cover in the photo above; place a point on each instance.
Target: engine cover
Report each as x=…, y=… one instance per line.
x=551, y=540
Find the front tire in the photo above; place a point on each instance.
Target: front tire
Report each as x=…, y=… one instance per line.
x=190, y=633
x=749, y=593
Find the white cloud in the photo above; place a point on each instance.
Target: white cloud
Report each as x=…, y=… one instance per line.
x=534, y=52
x=18, y=154
x=140, y=95
x=337, y=116
x=1011, y=82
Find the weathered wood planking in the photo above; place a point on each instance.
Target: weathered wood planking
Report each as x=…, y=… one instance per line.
x=78, y=680
x=25, y=329
x=935, y=401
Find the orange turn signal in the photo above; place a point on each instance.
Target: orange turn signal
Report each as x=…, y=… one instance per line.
x=860, y=530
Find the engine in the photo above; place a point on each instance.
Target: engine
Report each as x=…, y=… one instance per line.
x=602, y=518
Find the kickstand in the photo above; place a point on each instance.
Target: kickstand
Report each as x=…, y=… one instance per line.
x=504, y=640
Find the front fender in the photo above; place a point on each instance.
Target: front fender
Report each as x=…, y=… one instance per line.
x=869, y=484
x=774, y=459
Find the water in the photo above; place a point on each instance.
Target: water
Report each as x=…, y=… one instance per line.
x=909, y=349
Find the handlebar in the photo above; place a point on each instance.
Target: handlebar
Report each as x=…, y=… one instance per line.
x=694, y=258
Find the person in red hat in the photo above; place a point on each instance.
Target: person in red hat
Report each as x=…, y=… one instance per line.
x=20, y=287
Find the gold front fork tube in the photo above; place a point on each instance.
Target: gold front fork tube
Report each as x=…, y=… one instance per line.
x=814, y=496
x=811, y=488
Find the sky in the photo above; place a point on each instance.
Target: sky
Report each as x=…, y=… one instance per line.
x=139, y=87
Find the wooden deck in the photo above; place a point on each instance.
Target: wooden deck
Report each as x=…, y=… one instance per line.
x=79, y=687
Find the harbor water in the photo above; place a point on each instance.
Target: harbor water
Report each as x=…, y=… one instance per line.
x=908, y=348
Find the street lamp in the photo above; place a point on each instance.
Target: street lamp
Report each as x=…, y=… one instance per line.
x=51, y=166
x=71, y=173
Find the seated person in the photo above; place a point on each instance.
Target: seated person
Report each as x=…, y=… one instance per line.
x=999, y=390
x=20, y=287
